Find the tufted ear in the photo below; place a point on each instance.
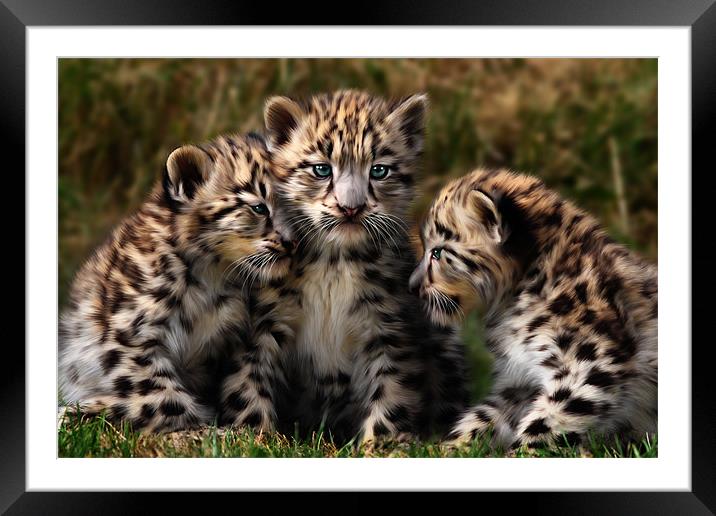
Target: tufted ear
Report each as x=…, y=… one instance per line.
x=410, y=115
x=187, y=168
x=484, y=207
x=281, y=116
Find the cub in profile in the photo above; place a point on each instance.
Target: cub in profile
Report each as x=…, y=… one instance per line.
x=161, y=308
x=570, y=315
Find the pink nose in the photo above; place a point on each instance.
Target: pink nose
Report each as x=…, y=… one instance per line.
x=350, y=212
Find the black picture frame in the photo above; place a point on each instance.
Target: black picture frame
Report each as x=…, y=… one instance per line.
x=17, y=15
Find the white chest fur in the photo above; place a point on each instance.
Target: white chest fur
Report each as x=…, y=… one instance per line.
x=518, y=355
x=331, y=329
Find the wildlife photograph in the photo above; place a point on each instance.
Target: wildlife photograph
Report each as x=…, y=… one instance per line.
x=357, y=258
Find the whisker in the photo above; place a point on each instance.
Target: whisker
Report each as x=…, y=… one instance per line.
x=367, y=227
x=398, y=221
x=385, y=230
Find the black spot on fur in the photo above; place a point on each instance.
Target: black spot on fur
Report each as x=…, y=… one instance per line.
x=138, y=322
x=537, y=322
x=445, y=232
x=623, y=351
x=172, y=408
x=110, y=360
x=537, y=285
x=123, y=338
x=610, y=288
x=519, y=394
x=599, y=378
x=377, y=394
x=133, y=273
x=587, y=351
x=152, y=343
x=236, y=402
x=142, y=360
x=123, y=386
x=551, y=361
x=554, y=218
x=115, y=304
x=580, y=289
x=562, y=304
x=148, y=411
x=471, y=265
x=609, y=327
x=561, y=394
x=537, y=427
x=483, y=416
x=148, y=385
x=379, y=429
x=588, y=316
x=562, y=373
x=580, y=406
x=161, y=293
x=564, y=341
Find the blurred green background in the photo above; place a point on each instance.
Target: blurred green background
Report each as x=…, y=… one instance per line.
x=587, y=127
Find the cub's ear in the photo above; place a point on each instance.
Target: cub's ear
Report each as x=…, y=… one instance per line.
x=410, y=115
x=484, y=206
x=187, y=169
x=281, y=116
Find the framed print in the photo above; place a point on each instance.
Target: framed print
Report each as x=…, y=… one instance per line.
x=224, y=131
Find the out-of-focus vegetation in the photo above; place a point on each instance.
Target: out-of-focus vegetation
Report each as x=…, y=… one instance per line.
x=586, y=126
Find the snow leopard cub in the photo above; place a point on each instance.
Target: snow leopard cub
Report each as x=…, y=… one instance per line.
x=570, y=315
x=365, y=360
x=160, y=313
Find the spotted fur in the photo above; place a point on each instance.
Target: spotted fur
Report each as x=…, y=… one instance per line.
x=570, y=315
x=169, y=305
x=365, y=359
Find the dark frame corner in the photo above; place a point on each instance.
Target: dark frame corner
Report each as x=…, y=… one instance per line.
x=700, y=15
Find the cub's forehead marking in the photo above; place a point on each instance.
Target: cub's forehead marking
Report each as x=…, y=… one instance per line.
x=243, y=165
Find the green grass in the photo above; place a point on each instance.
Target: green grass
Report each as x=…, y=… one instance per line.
x=96, y=437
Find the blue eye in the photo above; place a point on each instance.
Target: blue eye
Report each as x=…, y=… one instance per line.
x=436, y=253
x=379, y=171
x=322, y=170
x=261, y=209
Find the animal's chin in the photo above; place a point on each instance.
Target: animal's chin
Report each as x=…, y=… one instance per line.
x=347, y=232
x=443, y=318
x=442, y=309
x=277, y=270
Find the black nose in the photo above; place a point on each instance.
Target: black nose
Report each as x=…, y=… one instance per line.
x=351, y=212
x=413, y=288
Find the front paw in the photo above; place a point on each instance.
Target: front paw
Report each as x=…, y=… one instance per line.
x=389, y=439
x=259, y=422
